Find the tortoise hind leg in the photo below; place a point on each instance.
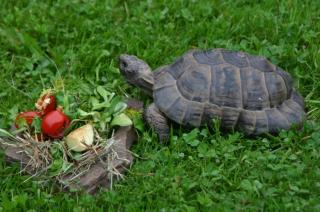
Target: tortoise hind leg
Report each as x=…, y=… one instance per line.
x=157, y=121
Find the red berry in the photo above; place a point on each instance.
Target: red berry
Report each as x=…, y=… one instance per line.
x=55, y=123
x=26, y=117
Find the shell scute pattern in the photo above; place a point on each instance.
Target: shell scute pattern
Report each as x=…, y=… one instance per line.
x=193, y=113
x=227, y=86
x=287, y=79
x=261, y=63
x=194, y=84
x=238, y=59
x=178, y=67
x=244, y=91
x=230, y=116
x=276, y=88
x=254, y=92
x=276, y=120
x=208, y=57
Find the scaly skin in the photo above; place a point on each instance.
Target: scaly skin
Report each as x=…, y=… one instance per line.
x=157, y=121
x=138, y=73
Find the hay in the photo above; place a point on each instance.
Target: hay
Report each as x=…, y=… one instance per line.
x=40, y=157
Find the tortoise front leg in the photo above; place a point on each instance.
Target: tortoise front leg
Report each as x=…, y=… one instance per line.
x=157, y=121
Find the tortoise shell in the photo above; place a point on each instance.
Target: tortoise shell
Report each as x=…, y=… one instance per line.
x=242, y=90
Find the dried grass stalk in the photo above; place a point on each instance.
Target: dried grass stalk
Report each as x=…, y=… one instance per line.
x=41, y=158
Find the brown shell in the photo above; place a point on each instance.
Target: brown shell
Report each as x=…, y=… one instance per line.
x=242, y=90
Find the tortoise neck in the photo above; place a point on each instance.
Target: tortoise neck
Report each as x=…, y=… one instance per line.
x=145, y=82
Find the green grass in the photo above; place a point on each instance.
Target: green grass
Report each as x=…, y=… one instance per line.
x=42, y=42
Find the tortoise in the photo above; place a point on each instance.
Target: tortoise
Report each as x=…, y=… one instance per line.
x=244, y=91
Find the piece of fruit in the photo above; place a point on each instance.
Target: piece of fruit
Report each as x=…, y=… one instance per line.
x=80, y=139
x=55, y=123
x=46, y=103
x=26, y=118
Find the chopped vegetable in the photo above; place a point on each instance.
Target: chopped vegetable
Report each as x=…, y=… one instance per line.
x=26, y=118
x=80, y=139
x=55, y=123
x=46, y=103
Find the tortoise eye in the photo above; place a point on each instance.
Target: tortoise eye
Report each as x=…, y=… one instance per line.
x=124, y=64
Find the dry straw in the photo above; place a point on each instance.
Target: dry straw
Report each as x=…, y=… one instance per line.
x=40, y=157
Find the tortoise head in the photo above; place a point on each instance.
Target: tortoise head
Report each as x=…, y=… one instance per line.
x=136, y=72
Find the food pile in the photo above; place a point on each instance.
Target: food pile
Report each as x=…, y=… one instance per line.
x=54, y=123
x=66, y=134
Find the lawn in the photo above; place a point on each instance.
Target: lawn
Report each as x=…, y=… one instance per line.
x=76, y=43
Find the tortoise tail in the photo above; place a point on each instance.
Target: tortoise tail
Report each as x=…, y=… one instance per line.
x=289, y=113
